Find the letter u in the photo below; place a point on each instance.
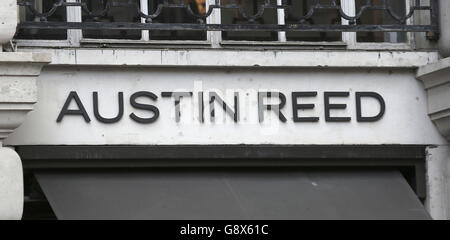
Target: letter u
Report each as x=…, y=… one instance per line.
x=108, y=120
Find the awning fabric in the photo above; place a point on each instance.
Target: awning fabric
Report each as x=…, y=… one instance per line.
x=232, y=194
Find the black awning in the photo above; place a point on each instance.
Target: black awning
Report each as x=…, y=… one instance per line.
x=232, y=194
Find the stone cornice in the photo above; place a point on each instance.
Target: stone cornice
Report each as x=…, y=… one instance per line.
x=22, y=64
x=25, y=57
x=124, y=57
x=18, y=88
x=436, y=79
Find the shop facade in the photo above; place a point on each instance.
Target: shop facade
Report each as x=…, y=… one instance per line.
x=245, y=119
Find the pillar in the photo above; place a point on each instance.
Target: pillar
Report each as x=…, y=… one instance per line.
x=18, y=94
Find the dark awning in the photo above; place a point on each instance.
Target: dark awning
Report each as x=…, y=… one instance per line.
x=231, y=194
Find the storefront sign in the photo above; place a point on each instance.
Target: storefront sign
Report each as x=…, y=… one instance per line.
x=232, y=111
x=170, y=106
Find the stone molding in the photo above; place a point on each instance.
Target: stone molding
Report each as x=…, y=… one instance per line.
x=18, y=88
x=436, y=79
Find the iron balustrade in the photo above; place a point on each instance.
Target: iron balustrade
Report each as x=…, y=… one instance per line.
x=302, y=21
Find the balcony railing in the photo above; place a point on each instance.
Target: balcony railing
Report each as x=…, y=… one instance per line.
x=200, y=11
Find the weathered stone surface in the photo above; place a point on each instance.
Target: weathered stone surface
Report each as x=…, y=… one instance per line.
x=437, y=83
x=18, y=88
x=18, y=94
x=11, y=185
x=8, y=20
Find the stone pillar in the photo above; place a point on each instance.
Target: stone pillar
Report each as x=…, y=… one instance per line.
x=11, y=185
x=444, y=21
x=436, y=79
x=8, y=20
x=18, y=94
x=438, y=197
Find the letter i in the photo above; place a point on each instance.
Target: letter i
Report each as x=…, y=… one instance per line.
x=201, y=107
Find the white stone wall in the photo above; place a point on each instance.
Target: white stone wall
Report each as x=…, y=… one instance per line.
x=405, y=120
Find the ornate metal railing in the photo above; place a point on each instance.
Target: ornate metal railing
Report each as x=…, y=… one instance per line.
x=302, y=20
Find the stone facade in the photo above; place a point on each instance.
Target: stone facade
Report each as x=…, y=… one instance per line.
x=18, y=94
x=20, y=71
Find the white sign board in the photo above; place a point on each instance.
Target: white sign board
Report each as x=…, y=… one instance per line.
x=133, y=106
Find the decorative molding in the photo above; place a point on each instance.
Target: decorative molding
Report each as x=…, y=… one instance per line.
x=236, y=57
x=18, y=88
x=436, y=79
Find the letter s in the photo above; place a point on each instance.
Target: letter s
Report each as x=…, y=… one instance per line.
x=148, y=107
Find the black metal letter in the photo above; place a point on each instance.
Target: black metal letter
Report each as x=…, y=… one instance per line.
x=213, y=96
x=275, y=107
x=148, y=107
x=329, y=106
x=65, y=110
x=177, y=96
x=296, y=106
x=108, y=120
x=375, y=95
x=201, y=107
